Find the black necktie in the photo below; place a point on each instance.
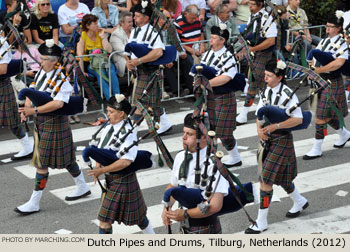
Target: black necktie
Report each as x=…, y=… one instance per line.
x=269, y=95
x=185, y=166
x=137, y=32
x=211, y=59
x=326, y=44
x=107, y=137
x=40, y=83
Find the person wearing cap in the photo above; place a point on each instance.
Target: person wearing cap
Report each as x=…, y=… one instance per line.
x=54, y=142
x=199, y=223
x=140, y=34
x=123, y=202
x=280, y=165
x=262, y=44
x=325, y=114
x=222, y=102
x=9, y=118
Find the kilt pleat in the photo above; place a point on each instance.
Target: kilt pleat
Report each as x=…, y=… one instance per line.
x=9, y=116
x=56, y=142
x=222, y=114
x=153, y=98
x=280, y=166
x=123, y=202
x=337, y=93
x=259, y=63
x=210, y=229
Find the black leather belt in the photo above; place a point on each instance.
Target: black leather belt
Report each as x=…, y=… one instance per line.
x=147, y=68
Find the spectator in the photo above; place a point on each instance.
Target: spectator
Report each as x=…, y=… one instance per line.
x=119, y=39
x=124, y=5
x=280, y=2
x=282, y=48
x=33, y=68
x=213, y=4
x=18, y=19
x=199, y=3
x=107, y=15
x=171, y=8
x=44, y=23
x=69, y=14
x=189, y=29
x=91, y=38
x=89, y=3
x=242, y=12
x=222, y=17
x=298, y=20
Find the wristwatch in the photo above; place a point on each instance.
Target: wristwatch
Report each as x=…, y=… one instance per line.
x=186, y=215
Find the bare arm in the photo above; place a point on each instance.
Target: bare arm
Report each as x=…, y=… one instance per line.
x=67, y=29
x=332, y=66
x=151, y=56
x=46, y=108
x=219, y=80
x=264, y=45
x=3, y=68
x=80, y=51
x=55, y=35
x=36, y=37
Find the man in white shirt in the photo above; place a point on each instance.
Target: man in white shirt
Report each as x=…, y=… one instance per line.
x=55, y=147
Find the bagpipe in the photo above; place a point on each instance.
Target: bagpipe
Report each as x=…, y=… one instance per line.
x=13, y=68
x=274, y=114
x=237, y=83
x=326, y=57
x=170, y=52
x=76, y=104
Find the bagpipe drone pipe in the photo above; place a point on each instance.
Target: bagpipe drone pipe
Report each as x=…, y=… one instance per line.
x=237, y=83
x=326, y=57
x=140, y=50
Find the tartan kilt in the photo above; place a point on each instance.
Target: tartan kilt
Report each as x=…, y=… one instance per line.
x=259, y=63
x=56, y=141
x=123, y=202
x=222, y=114
x=211, y=229
x=9, y=116
x=337, y=93
x=280, y=166
x=152, y=99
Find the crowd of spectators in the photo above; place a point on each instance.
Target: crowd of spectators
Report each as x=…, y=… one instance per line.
x=113, y=21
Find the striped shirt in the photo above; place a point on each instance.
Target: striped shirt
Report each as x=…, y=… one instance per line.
x=188, y=32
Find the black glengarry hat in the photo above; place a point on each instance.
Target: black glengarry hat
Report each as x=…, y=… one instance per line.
x=190, y=122
x=49, y=48
x=144, y=8
x=277, y=67
x=220, y=31
x=119, y=102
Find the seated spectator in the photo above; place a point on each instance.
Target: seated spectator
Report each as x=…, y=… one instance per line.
x=119, y=39
x=92, y=38
x=107, y=15
x=297, y=19
x=44, y=23
x=280, y=2
x=242, y=12
x=32, y=67
x=19, y=19
x=282, y=48
x=189, y=29
x=172, y=8
x=69, y=14
x=200, y=5
x=223, y=16
x=124, y=5
x=89, y=3
x=213, y=5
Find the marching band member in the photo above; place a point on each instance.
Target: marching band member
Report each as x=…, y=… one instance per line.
x=222, y=102
x=324, y=113
x=143, y=12
x=123, y=201
x=279, y=167
x=54, y=147
x=9, y=118
x=199, y=223
x=262, y=44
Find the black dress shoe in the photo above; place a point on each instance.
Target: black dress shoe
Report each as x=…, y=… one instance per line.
x=233, y=165
x=252, y=231
x=296, y=214
x=342, y=145
x=13, y=158
x=306, y=157
x=77, y=197
x=239, y=124
x=24, y=213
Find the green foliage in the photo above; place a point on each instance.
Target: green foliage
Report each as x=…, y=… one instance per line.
x=317, y=11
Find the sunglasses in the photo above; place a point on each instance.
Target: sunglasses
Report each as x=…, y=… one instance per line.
x=43, y=4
